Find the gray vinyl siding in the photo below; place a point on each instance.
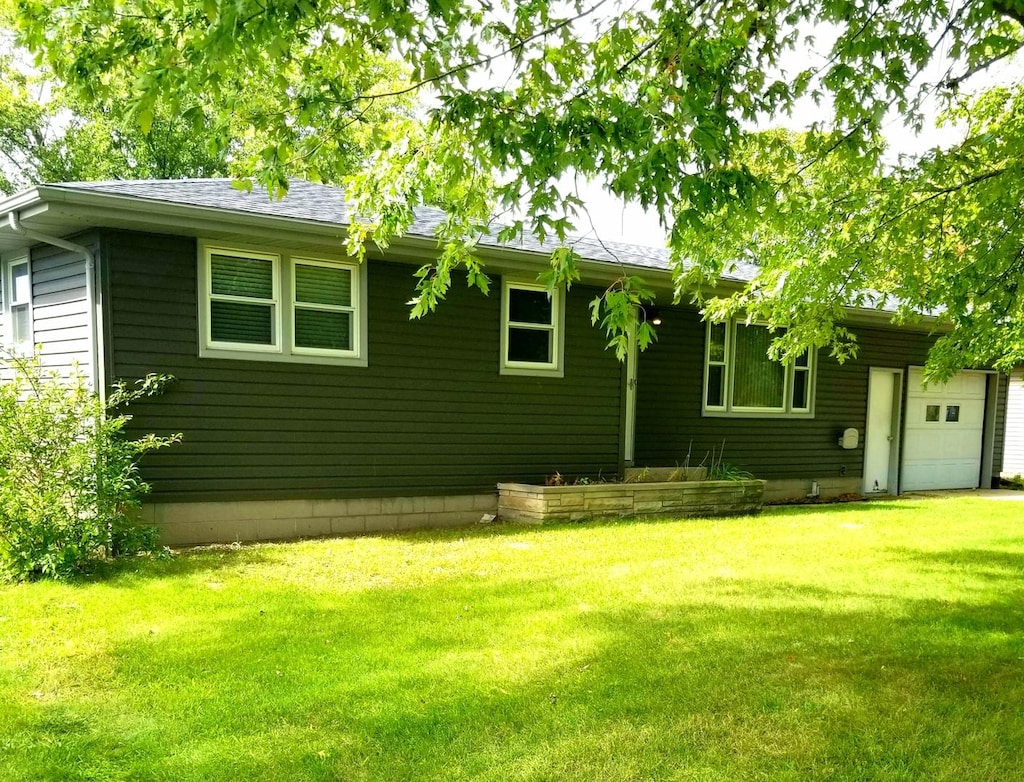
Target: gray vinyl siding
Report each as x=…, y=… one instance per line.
x=670, y=424
x=60, y=308
x=1013, y=459
x=430, y=414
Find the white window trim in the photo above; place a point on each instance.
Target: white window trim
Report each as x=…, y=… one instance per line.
x=731, y=411
x=707, y=369
x=284, y=351
x=209, y=297
x=353, y=309
x=791, y=374
x=7, y=268
x=553, y=368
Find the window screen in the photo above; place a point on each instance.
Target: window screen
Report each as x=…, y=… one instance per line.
x=323, y=310
x=242, y=300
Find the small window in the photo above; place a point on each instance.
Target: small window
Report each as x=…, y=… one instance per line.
x=952, y=414
x=800, y=399
x=931, y=413
x=243, y=300
x=17, y=290
x=716, y=366
x=323, y=307
x=740, y=378
x=531, y=330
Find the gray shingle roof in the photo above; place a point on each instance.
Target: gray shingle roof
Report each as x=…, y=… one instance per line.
x=326, y=204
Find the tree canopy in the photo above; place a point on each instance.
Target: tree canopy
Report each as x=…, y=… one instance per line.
x=673, y=105
x=53, y=130
x=46, y=135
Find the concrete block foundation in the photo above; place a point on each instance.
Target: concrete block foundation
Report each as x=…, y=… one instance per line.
x=195, y=523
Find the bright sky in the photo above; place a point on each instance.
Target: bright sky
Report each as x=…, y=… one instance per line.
x=616, y=221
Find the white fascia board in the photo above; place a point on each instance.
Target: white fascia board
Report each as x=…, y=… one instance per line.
x=19, y=201
x=131, y=212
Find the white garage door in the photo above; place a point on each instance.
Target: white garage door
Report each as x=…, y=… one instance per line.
x=943, y=433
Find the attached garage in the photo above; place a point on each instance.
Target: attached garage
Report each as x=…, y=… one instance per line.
x=944, y=428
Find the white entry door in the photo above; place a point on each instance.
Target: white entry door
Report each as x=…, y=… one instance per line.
x=882, y=431
x=944, y=432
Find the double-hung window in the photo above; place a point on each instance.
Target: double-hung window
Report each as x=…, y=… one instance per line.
x=323, y=308
x=531, y=330
x=276, y=307
x=243, y=301
x=740, y=379
x=17, y=304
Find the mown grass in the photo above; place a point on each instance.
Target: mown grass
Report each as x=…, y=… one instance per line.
x=859, y=642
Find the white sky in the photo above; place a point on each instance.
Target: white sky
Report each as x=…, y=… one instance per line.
x=617, y=221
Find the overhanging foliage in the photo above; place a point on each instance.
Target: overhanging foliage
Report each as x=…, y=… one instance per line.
x=663, y=103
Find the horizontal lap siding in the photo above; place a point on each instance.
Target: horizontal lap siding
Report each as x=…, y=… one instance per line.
x=430, y=414
x=60, y=308
x=1013, y=459
x=670, y=424
x=999, y=439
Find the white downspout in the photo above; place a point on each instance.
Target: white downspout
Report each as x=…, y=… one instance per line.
x=97, y=368
x=631, y=382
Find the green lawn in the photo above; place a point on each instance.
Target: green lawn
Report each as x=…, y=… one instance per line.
x=855, y=642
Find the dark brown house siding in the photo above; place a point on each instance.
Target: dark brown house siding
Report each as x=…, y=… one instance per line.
x=430, y=414
x=999, y=449
x=670, y=424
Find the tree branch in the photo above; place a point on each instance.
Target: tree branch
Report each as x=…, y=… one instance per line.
x=477, y=63
x=1010, y=9
x=955, y=81
x=935, y=192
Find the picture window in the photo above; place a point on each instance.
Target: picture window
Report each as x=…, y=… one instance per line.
x=741, y=379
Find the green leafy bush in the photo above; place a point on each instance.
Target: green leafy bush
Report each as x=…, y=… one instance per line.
x=69, y=483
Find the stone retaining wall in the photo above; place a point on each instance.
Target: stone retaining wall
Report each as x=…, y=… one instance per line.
x=536, y=504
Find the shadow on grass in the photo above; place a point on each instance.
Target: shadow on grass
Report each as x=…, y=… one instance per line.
x=993, y=564
x=215, y=557
x=519, y=679
x=129, y=571
x=765, y=516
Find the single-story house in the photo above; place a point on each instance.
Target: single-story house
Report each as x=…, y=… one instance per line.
x=311, y=404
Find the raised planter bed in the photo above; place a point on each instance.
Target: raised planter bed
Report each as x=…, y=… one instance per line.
x=537, y=504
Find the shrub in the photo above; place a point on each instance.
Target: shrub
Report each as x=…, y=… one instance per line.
x=69, y=482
